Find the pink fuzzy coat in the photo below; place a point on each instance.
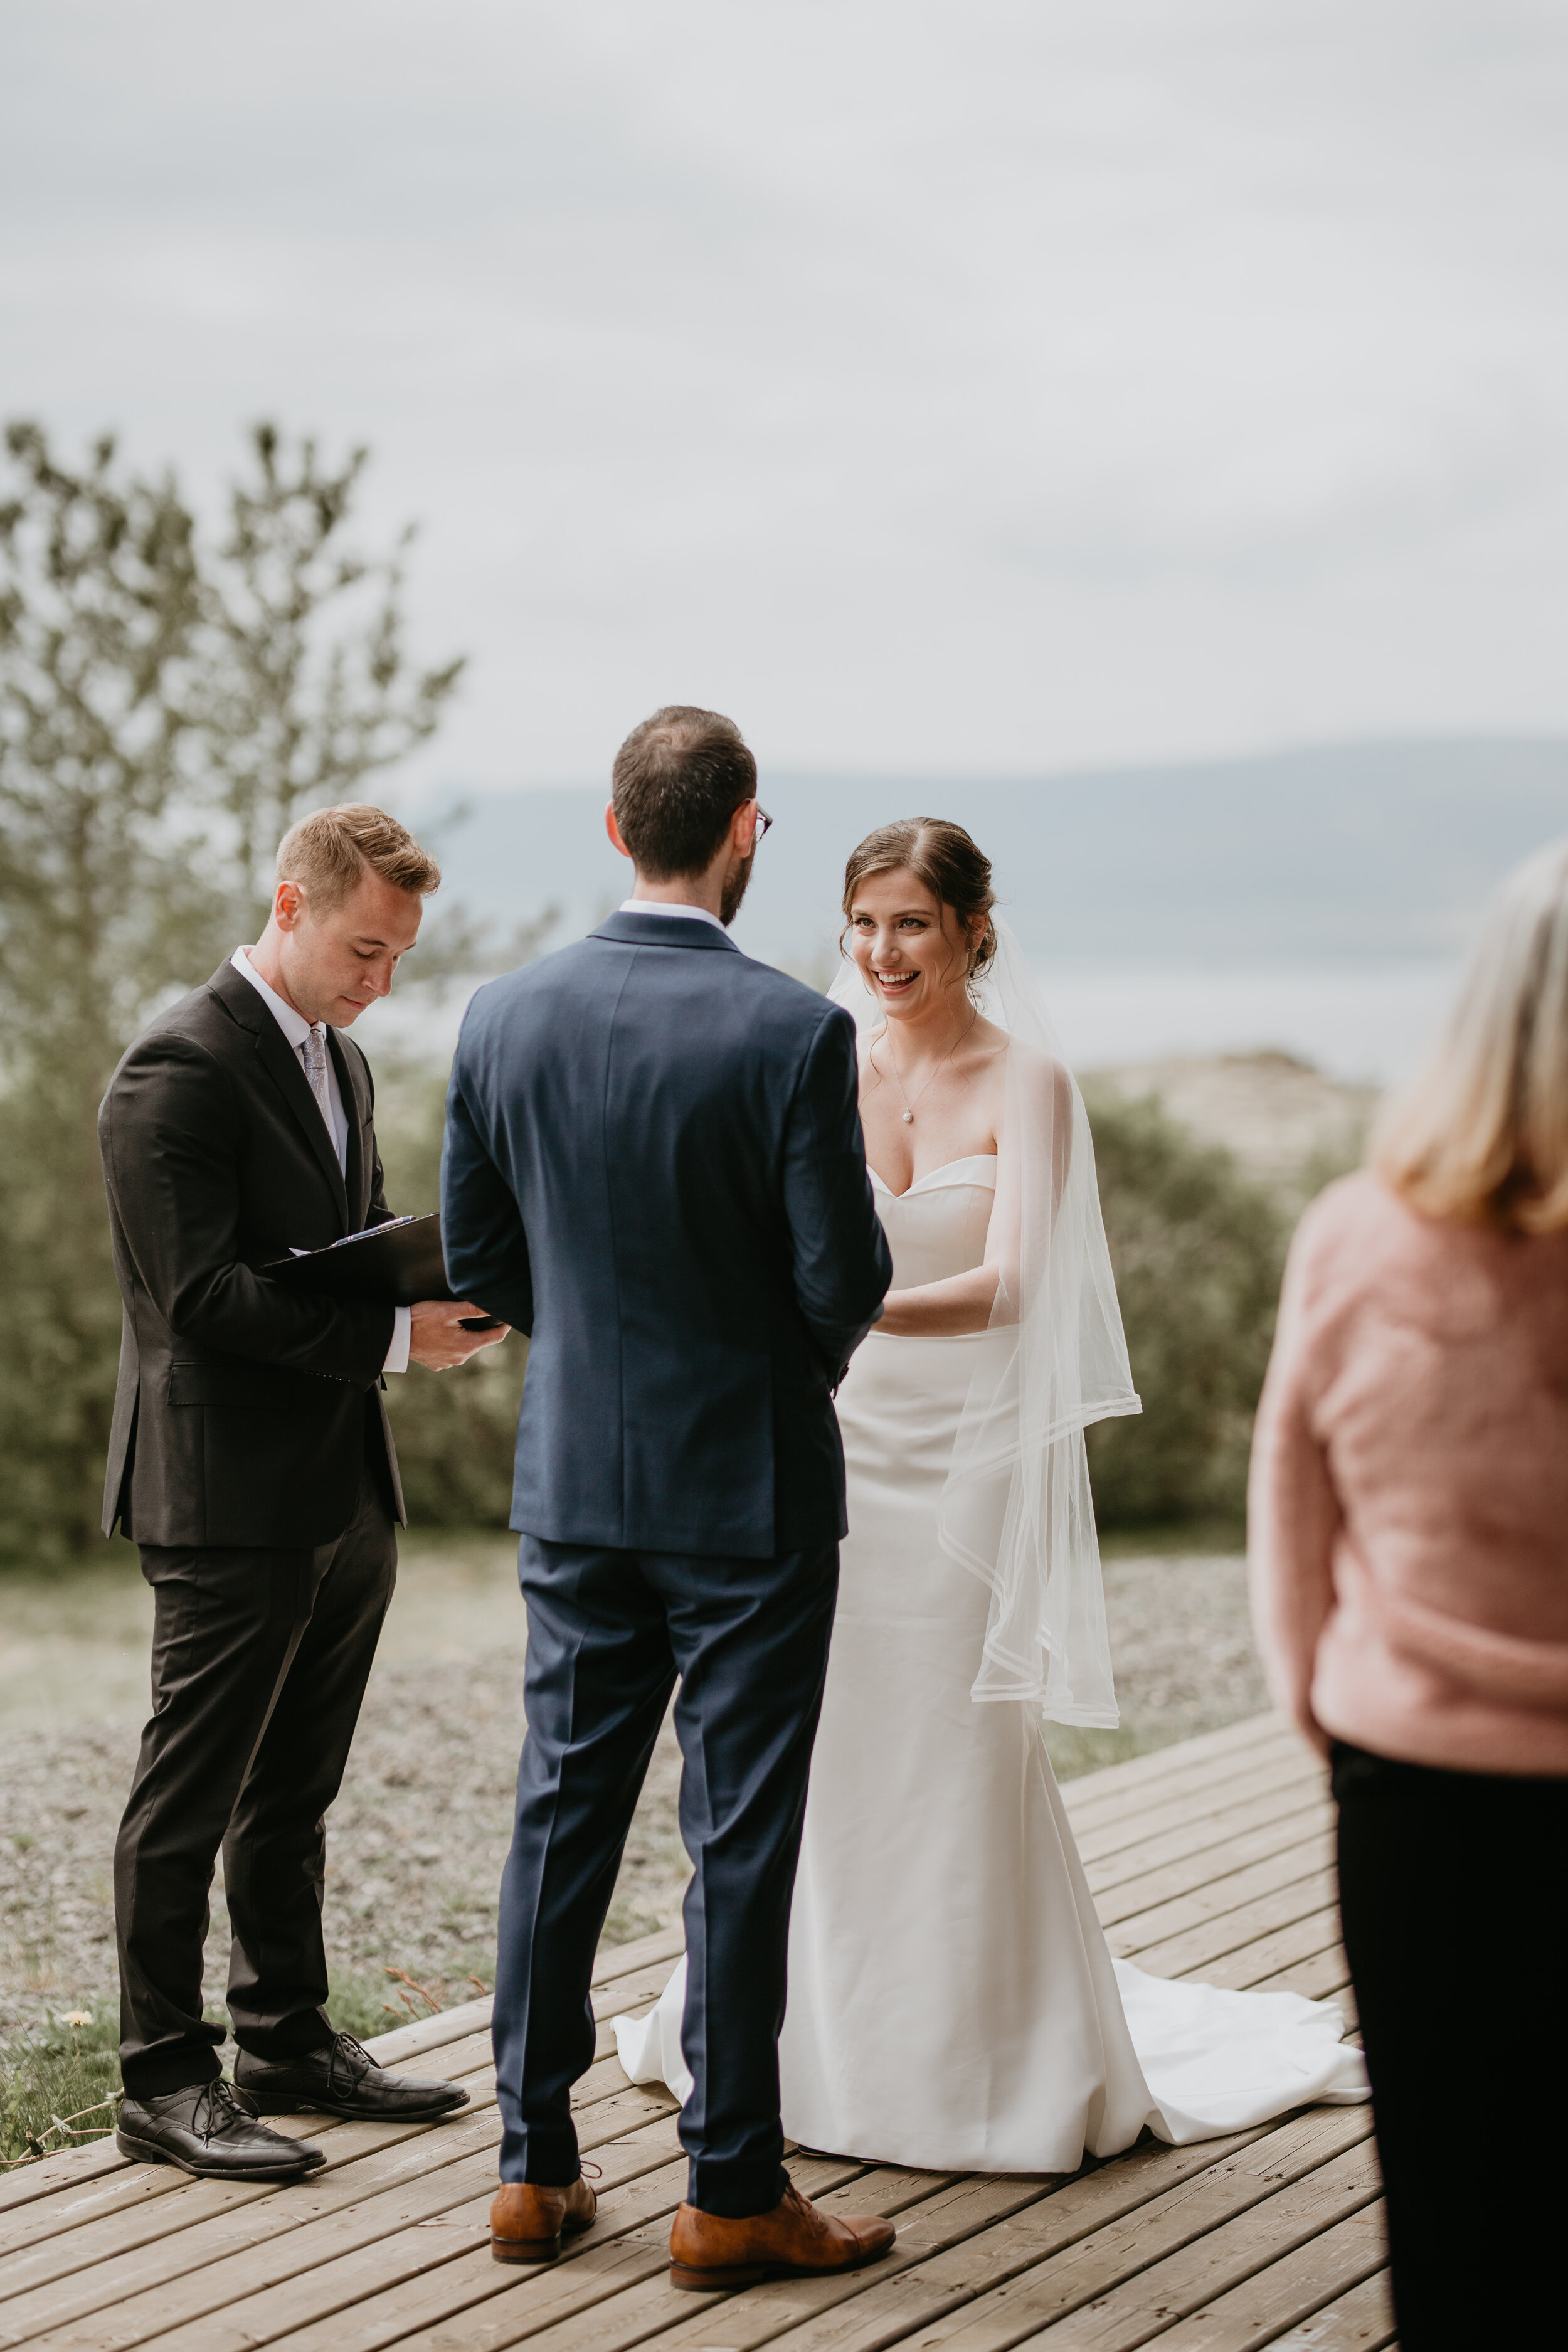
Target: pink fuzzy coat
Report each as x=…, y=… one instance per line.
x=1408, y=1503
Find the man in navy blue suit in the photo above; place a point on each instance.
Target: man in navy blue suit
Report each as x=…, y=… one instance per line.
x=654, y=1167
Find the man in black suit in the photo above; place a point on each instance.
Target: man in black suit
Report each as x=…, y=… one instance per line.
x=252, y=1461
x=654, y=1165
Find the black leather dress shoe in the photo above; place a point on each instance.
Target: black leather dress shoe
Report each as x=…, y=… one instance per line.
x=343, y=2079
x=211, y=2129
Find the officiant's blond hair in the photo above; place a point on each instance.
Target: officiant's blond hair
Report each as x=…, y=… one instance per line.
x=328, y=851
x=1481, y=1134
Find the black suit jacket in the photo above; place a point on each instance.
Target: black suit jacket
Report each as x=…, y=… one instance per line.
x=241, y=1411
x=654, y=1166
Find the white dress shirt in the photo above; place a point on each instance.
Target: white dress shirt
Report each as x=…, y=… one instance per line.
x=665, y=907
x=296, y=1028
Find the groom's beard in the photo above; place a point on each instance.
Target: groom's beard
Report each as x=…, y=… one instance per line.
x=734, y=891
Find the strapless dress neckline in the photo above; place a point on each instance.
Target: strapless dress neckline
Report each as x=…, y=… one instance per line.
x=980, y=1168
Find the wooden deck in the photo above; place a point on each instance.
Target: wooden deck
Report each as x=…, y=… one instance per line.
x=1212, y=1859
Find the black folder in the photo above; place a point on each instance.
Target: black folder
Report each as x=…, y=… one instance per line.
x=394, y=1265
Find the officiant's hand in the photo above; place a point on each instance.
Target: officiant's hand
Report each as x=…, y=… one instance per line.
x=436, y=1337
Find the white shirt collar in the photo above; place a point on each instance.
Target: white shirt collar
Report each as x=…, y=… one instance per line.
x=294, y=1025
x=667, y=907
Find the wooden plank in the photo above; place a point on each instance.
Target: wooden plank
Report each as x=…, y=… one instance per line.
x=1325, y=1976
x=58, y=2175
x=187, y=2204
x=330, y=2303
x=942, y=2219
x=1134, y=1771
x=1288, y=1774
x=209, y=2219
x=400, y=2042
x=1181, y=1955
x=124, y=2186
x=1126, y=1892
x=1143, y=2306
x=642, y=2302
x=1003, y=2282
x=1361, y=2321
x=133, y=2185
x=452, y=2273
x=1325, y=2271
x=1227, y=1896
x=1004, y=2294
x=1178, y=1777
x=1113, y=1825
x=1196, y=1848
x=229, y=2219
x=1215, y=1826
x=127, y=2185
x=421, y=2035
x=62, y=2177
x=1262, y=1961
x=614, y=1960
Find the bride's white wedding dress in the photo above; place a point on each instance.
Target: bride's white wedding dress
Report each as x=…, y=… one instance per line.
x=952, y=2003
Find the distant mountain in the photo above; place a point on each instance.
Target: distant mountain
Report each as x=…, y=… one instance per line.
x=1350, y=852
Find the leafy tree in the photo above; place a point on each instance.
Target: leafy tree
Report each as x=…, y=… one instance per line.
x=102, y=908
x=308, y=689
x=166, y=707
x=1197, y=1252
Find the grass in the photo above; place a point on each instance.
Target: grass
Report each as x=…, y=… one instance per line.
x=56, y=2083
x=367, y=2005
x=59, y=2084
x=1177, y=1539
x=1074, y=1751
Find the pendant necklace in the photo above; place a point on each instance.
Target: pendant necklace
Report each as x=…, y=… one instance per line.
x=908, y=1113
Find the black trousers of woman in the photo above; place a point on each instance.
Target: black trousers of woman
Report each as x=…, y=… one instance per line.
x=1454, y=1888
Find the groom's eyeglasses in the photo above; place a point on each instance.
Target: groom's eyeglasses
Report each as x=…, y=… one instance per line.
x=764, y=827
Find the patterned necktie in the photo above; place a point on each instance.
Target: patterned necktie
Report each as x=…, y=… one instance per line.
x=314, y=1050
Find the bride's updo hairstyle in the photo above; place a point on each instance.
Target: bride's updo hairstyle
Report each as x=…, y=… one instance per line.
x=1481, y=1134
x=940, y=855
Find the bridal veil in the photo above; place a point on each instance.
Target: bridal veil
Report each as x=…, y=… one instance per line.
x=1017, y=1510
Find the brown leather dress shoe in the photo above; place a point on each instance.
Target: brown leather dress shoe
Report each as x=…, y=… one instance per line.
x=528, y=2220
x=795, y=2240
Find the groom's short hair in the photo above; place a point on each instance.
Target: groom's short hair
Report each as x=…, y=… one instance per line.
x=679, y=778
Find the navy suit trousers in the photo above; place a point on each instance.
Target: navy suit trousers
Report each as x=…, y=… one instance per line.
x=608, y=1633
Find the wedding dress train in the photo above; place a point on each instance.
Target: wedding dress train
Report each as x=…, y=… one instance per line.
x=952, y=2003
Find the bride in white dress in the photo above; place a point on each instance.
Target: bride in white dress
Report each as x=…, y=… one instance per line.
x=952, y=2003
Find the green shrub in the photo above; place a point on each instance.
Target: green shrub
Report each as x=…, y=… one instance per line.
x=70, y=2071
x=1197, y=1251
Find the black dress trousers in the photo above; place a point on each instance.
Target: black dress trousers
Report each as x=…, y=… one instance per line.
x=1454, y=1889
x=260, y=1660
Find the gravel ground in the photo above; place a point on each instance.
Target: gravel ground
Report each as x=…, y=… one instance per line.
x=418, y=1836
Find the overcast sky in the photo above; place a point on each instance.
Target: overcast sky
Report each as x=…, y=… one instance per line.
x=983, y=386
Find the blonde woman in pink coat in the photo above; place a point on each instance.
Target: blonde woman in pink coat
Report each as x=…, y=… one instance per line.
x=1409, y=1550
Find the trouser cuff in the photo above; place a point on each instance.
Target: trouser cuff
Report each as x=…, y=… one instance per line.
x=735, y=2191
x=299, y=2036
x=176, y=2070
x=549, y=2159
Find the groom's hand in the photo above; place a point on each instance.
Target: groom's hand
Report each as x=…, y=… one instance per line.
x=436, y=1337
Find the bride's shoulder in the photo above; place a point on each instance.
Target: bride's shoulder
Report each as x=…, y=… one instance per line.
x=1029, y=1064
x=1039, y=1078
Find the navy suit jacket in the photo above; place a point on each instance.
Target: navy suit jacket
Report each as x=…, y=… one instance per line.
x=654, y=1167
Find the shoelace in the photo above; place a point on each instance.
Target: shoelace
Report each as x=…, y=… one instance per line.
x=356, y=2061
x=217, y=2110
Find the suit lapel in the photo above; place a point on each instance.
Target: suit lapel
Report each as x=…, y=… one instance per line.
x=356, y=1106
x=282, y=1065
